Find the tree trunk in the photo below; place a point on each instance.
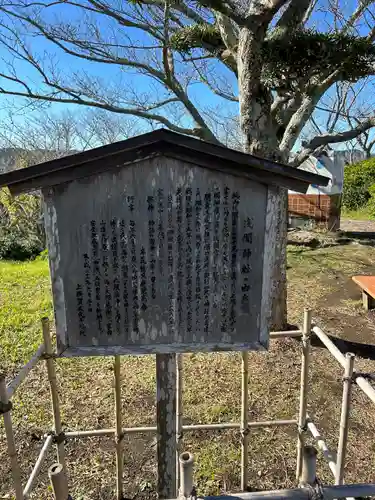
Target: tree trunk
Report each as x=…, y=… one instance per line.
x=259, y=138
x=279, y=286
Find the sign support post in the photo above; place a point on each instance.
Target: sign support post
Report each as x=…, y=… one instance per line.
x=166, y=424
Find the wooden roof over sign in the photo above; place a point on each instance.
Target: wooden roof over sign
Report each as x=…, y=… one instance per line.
x=159, y=143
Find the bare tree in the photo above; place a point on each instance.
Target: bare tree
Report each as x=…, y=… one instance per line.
x=270, y=61
x=46, y=136
x=345, y=115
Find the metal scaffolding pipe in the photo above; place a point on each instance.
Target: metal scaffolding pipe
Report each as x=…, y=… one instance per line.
x=244, y=420
x=185, y=428
x=12, y=452
x=308, y=475
x=328, y=455
x=186, y=461
x=344, y=420
x=38, y=465
x=24, y=371
x=55, y=403
x=285, y=334
x=59, y=483
x=326, y=492
x=360, y=381
x=303, y=388
x=179, y=410
x=118, y=431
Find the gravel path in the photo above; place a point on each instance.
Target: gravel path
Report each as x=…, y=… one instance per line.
x=361, y=226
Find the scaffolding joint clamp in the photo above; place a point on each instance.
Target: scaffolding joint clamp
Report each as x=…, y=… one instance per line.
x=245, y=431
x=46, y=356
x=365, y=375
x=57, y=438
x=303, y=428
x=5, y=407
x=315, y=490
x=120, y=438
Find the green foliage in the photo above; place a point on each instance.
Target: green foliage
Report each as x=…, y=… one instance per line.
x=18, y=246
x=307, y=52
x=25, y=298
x=288, y=60
x=196, y=36
x=43, y=255
x=371, y=202
x=359, y=185
x=21, y=229
x=363, y=213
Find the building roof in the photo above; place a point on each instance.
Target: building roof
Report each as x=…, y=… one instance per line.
x=159, y=143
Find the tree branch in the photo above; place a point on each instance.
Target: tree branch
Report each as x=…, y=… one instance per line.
x=228, y=35
x=105, y=106
x=357, y=14
x=334, y=138
x=294, y=15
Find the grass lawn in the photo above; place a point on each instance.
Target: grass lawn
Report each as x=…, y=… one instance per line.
x=363, y=213
x=318, y=278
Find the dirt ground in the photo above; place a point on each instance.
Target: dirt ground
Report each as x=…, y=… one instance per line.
x=364, y=226
x=319, y=278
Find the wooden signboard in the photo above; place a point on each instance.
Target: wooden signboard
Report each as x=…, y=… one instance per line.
x=161, y=244
x=159, y=256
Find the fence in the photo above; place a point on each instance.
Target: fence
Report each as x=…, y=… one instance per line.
x=168, y=488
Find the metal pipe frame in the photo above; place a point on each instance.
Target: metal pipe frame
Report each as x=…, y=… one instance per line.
x=55, y=402
x=329, y=492
x=38, y=465
x=24, y=371
x=326, y=492
x=339, y=356
x=303, y=389
x=327, y=454
x=179, y=416
x=118, y=430
x=185, y=428
x=38, y=355
x=286, y=334
x=186, y=463
x=12, y=452
x=344, y=420
x=59, y=482
x=244, y=420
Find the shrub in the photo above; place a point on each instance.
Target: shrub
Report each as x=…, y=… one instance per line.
x=16, y=245
x=371, y=202
x=359, y=180
x=21, y=228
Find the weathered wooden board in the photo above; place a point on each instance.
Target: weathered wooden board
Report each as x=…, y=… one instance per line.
x=158, y=256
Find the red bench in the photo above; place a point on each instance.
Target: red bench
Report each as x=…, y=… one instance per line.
x=367, y=285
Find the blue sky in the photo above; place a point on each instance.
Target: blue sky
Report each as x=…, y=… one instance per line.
x=113, y=76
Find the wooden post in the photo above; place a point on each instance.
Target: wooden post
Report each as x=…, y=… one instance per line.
x=119, y=434
x=59, y=436
x=166, y=424
x=306, y=332
x=5, y=408
x=244, y=421
x=345, y=412
x=179, y=410
x=368, y=301
x=59, y=483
